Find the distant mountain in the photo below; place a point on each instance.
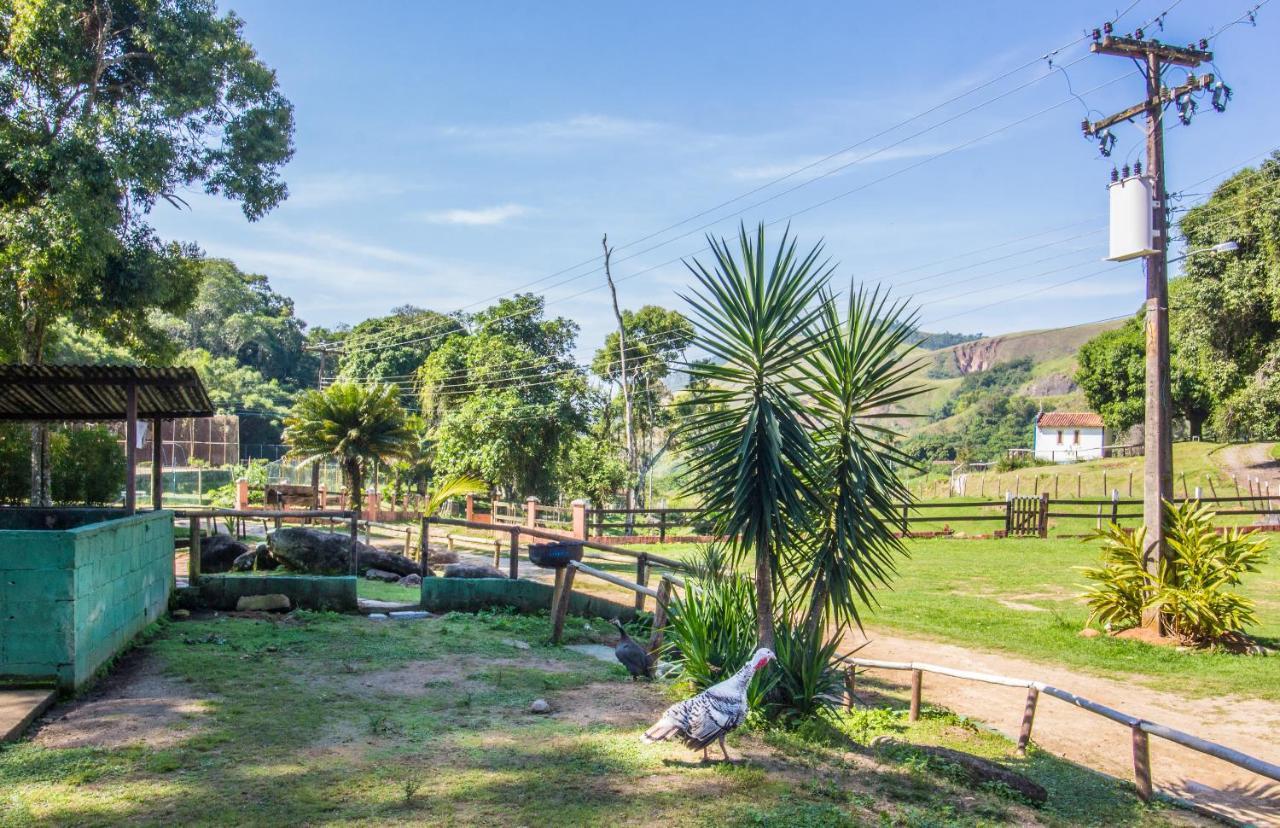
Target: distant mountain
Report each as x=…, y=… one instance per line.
x=933, y=341
x=979, y=354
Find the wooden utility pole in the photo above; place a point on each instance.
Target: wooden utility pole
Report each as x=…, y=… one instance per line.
x=1157, y=432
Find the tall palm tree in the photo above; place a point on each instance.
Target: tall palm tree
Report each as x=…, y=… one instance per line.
x=752, y=456
x=352, y=423
x=860, y=373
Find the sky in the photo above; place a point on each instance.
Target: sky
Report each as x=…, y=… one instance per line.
x=452, y=153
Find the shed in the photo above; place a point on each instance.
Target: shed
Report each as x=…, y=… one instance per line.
x=98, y=393
x=1067, y=436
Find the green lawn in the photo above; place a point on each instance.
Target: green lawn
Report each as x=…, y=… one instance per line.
x=325, y=719
x=952, y=590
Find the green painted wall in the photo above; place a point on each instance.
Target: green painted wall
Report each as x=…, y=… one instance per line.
x=471, y=594
x=71, y=599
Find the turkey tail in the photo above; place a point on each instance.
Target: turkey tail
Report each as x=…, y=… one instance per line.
x=662, y=730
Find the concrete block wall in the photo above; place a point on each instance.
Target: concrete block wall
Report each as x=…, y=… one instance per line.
x=72, y=599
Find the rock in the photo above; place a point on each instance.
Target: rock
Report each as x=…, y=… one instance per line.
x=218, y=553
x=409, y=615
x=519, y=645
x=411, y=580
x=539, y=706
x=1089, y=632
x=273, y=602
x=442, y=556
x=377, y=616
x=259, y=559
x=372, y=574
x=329, y=553
x=465, y=570
x=181, y=613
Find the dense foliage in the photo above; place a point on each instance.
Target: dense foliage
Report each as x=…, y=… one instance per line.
x=1193, y=590
x=88, y=465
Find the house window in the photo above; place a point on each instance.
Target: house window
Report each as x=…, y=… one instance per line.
x=1075, y=438
x=1059, y=437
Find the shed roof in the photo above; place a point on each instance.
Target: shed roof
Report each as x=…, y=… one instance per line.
x=99, y=392
x=1069, y=419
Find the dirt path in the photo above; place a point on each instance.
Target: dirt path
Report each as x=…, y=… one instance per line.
x=1249, y=725
x=1247, y=460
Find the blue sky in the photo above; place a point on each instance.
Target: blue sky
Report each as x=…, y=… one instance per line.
x=451, y=153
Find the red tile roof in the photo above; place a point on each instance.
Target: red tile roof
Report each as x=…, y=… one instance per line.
x=1069, y=419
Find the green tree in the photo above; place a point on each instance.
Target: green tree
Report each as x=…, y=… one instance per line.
x=753, y=461
x=503, y=400
x=591, y=469
x=354, y=424
x=234, y=388
x=1227, y=311
x=393, y=347
x=88, y=466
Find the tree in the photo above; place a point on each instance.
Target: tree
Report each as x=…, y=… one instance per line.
x=503, y=400
x=591, y=469
x=752, y=459
x=107, y=107
x=656, y=340
x=1226, y=316
x=233, y=388
x=354, y=424
x=1112, y=374
x=393, y=348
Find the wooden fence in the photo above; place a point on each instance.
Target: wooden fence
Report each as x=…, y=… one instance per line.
x=1140, y=729
x=602, y=521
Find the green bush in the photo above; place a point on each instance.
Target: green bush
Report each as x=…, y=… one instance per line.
x=1191, y=591
x=88, y=466
x=809, y=679
x=15, y=463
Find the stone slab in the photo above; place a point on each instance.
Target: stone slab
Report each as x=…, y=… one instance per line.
x=19, y=708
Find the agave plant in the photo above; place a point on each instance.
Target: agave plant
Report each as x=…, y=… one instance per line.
x=751, y=455
x=1191, y=591
x=352, y=423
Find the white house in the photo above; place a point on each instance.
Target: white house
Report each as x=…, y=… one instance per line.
x=1064, y=436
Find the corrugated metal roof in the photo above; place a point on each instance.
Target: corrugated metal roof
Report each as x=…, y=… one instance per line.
x=1069, y=419
x=99, y=392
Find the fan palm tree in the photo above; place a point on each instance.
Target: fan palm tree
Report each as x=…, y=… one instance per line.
x=753, y=459
x=351, y=423
x=853, y=381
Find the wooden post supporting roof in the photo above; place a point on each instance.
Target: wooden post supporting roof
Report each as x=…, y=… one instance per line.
x=157, y=464
x=131, y=449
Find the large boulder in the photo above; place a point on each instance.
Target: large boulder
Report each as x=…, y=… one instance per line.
x=372, y=574
x=466, y=570
x=315, y=552
x=258, y=559
x=219, y=552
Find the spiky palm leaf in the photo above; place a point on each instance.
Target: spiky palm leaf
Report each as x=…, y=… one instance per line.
x=455, y=486
x=752, y=454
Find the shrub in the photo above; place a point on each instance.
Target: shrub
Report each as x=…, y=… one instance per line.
x=809, y=679
x=15, y=463
x=88, y=466
x=1192, y=589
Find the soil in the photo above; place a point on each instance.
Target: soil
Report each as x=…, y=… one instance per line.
x=1248, y=725
x=135, y=704
x=1245, y=460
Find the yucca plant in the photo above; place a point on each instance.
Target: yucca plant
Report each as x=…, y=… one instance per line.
x=860, y=373
x=1192, y=591
x=711, y=626
x=751, y=455
x=354, y=424
x=808, y=678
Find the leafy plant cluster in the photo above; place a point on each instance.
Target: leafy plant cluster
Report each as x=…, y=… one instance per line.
x=88, y=465
x=1194, y=589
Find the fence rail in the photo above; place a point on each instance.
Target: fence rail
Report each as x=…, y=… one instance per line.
x=1140, y=728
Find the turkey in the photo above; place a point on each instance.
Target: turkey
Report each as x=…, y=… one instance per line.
x=713, y=713
x=632, y=655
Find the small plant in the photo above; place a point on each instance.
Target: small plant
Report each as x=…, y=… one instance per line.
x=411, y=785
x=1192, y=591
x=809, y=679
x=712, y=626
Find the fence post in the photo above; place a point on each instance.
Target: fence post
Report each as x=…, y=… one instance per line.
x=642, y=578
x=905, y=532
x=1199, y=493
x=531, y=512
x=1184, y=485
x=424, y=550
x=1028, y=717
x=355, y=540
x=1142, y=763
x=917, y=679
x=514, y=564
x=1044, y=515
x=660, y=615
x=1104, y=482
x=579, y=508
x=242, y=494
x=471, y=507
x=1130, y=484
x=560, y=606
x=1079, y=484
x=850, y=678
x=193, y=552
x=1008, y=514
x=662, y=526
x=1115, y=506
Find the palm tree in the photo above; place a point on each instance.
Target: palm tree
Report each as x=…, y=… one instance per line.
x=352, y=423
x=753, y=460
x=854, y=381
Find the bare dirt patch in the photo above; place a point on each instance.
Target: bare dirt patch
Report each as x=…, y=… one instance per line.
x=420, y=678
x=136, y=704
x=617, y=705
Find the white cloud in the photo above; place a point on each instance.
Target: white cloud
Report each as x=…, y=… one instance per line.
x=576, y=128
x=817, y=164
x=482, y=217
x=336, y=188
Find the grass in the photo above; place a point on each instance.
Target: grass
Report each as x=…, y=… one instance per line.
x=1019, y=596
x=318, y=718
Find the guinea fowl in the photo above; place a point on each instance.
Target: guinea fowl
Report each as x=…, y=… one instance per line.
x=709, y=716
x=632, y=655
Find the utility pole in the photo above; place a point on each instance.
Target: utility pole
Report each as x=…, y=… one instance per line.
x=1154, y=56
